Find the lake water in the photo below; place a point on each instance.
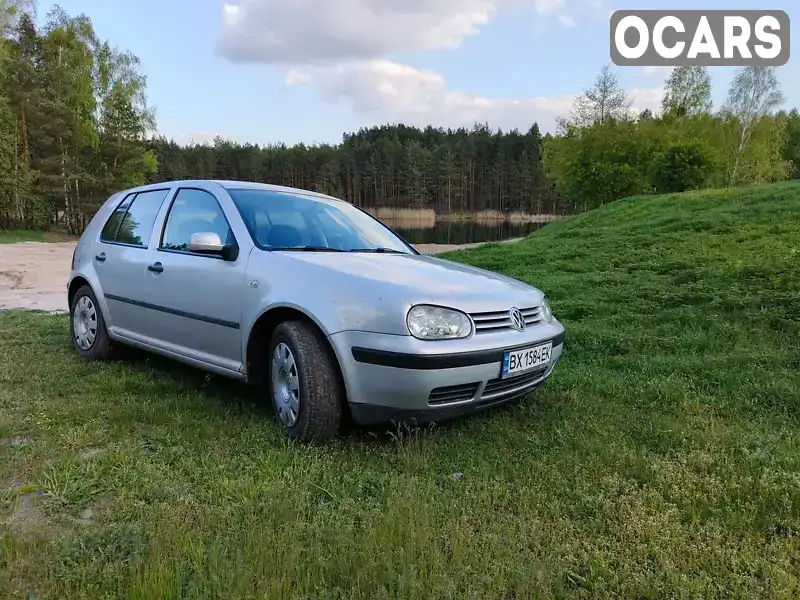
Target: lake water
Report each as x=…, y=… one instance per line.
x=464, y=232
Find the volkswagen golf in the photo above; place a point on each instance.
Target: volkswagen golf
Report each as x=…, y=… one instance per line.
x=308, y=297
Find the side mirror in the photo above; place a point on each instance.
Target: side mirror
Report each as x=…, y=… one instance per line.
x=208, y=242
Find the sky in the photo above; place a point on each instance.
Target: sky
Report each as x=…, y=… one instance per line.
x=272, y=71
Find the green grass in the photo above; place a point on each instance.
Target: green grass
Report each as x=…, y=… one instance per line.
x=661, y=461
x=13, y=236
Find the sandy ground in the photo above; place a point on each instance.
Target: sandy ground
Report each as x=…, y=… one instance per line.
x=439, y=248
x=33, y=275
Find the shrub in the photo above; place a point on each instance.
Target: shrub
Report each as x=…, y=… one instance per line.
x=681, y=166
x=601, y=163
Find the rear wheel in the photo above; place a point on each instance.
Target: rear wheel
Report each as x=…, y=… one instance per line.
x=304, y=382
x=87, y=327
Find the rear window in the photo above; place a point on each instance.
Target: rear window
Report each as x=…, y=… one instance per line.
x=132, y=222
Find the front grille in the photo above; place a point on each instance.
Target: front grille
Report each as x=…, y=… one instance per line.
x=500, y=389
x=492, y=322
x=453, y=393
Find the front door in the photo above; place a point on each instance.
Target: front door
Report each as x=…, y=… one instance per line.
x=195, y=299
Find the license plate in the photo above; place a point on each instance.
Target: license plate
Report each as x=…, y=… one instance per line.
x=517, y=362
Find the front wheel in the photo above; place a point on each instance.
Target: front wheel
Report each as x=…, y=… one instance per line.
x=87, y=326
x=305, y=384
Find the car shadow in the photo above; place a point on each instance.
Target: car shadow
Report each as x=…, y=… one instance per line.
x=226, y=391
x=230, y=393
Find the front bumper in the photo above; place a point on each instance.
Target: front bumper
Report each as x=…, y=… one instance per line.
x=390, y=377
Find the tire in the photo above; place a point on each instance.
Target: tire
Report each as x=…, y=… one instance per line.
x=317, y=412
x=84, y=314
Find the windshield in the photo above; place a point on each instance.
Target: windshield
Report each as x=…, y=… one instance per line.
x=286, y=221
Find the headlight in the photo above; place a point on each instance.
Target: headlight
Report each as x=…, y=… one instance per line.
x=437, y=323
x=547, y=314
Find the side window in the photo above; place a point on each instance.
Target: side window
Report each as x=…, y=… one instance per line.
x=137, y=225
x=109, y=233
x=194, y=211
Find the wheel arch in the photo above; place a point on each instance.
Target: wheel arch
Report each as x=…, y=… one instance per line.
x=77, y=283
x=261, y=333
x=80, y=280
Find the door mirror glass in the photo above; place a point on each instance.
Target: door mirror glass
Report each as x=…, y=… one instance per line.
x=208, y=242
x=205, y=242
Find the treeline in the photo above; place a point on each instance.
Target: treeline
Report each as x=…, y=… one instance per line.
x=602, y=153
x=462, y=170
x=73, y=120
x=75, y=127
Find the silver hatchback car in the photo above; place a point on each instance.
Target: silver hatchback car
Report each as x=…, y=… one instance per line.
x=309, y=297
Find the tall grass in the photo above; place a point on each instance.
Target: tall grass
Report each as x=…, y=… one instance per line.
x=405, y=218
x=492, y=217
x=661, y=461
x=413, y=218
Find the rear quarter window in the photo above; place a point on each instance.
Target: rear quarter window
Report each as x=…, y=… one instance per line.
x=109, y=233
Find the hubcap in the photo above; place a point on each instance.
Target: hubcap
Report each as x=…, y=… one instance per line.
x=84, y=323
x=285, y=385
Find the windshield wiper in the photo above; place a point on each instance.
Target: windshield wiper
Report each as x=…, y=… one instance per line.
x=306, y=248
x=378, y=250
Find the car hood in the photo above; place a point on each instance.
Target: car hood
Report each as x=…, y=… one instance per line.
x=420, y=278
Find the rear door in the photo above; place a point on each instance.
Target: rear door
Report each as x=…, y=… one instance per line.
x=120, y=258
x=196, y=297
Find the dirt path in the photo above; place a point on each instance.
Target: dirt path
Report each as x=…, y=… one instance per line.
x=33, y=275
x=439, y=248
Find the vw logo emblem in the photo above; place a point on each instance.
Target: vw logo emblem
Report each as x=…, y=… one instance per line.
x=517, y=320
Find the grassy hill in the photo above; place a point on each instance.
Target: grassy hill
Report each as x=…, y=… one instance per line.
x=662, y=460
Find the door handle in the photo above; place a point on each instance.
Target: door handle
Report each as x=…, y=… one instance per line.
x=101, y=257
x=155, y=267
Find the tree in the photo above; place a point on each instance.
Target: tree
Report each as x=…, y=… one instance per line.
x=688, y=91
x=18, y=84
x=125, y=121
x=680, y=167
x=600, y=163
x=73, y=120
x=754, y=93
x=67, y=68
x=791, y=147
x=10, y=13
x=605, y=100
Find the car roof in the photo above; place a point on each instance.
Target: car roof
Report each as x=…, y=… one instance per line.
x=230, y=185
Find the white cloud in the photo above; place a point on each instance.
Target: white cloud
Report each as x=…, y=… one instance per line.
x=376, y=86
x=323, y=31
x=330, y=31
x=386, y=91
